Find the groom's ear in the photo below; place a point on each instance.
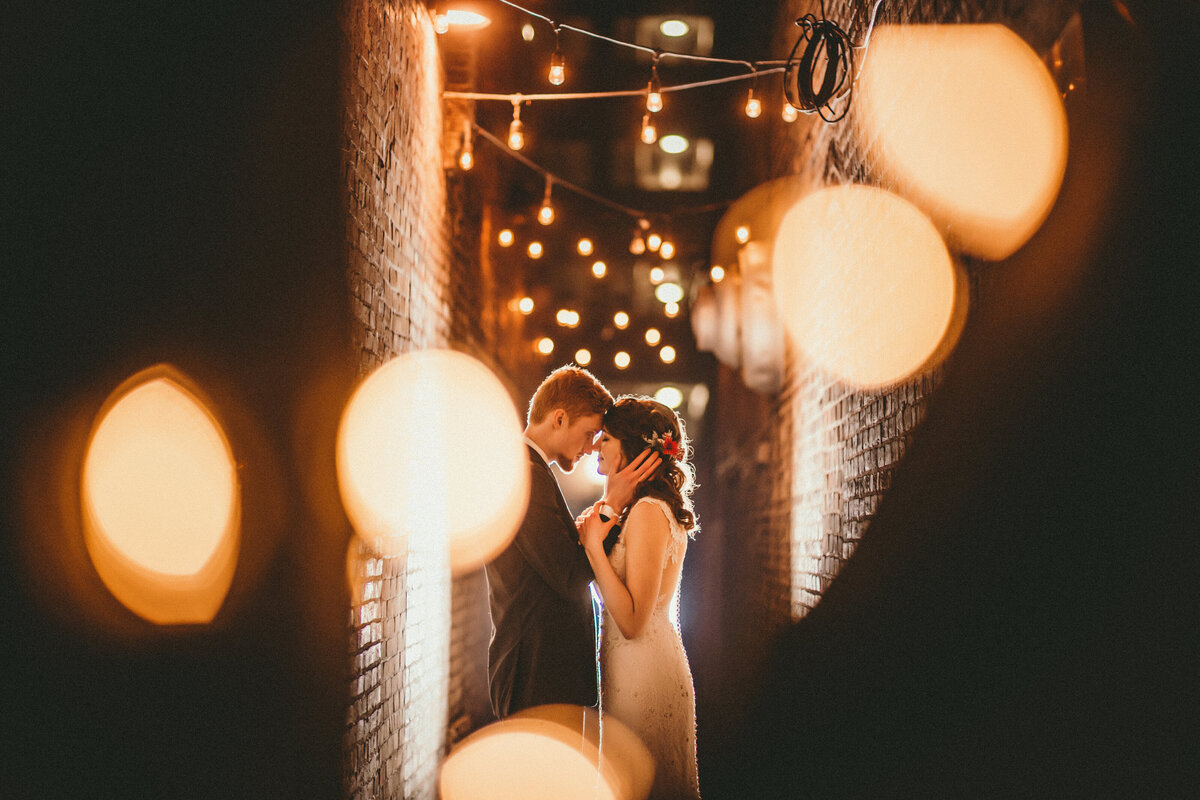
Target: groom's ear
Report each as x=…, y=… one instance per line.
x=559, y=418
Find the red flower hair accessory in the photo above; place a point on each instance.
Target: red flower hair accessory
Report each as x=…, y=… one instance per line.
x=666, y=444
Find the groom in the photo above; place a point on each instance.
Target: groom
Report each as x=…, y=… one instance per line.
x=543, y=647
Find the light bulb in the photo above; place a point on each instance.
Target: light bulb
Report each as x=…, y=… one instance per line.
x=545, y=345
x=653, y=336
x=525, y=305
x=527, y=32
x=649, y=132
x=599, y=269
x=653, y=242
x=790, y=114
x=583, y=356
x=558, y=68
x=656, y=275
x=516, y=135
x=441, y=23
x=753, y=106
x=516, y=130
x=667, y=354
x=671, y=309
x=545, y=214
x=666, y=250
x=466, y=158
x=637, y=245
x=742, y=234
x=505, y=238
x=621, y=320
x=584, y=247
x=654, y=101
x=534, y=250
x=717, y=274
x=621, y=359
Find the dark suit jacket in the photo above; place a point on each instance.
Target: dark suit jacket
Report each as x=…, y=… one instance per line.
x=543, y=647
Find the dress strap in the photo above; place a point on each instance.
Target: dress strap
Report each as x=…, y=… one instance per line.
x=678, y=545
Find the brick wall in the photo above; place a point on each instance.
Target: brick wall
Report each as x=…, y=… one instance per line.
x=800, y=474
x=398, y=259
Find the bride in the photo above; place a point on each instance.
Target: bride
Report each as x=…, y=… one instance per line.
x=645, y=679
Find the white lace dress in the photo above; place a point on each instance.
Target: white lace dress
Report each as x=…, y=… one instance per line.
x=646, y=682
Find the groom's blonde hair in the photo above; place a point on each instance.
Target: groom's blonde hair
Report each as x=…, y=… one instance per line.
x=574, y=390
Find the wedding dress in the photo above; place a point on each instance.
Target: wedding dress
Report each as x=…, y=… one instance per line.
x=646, y=682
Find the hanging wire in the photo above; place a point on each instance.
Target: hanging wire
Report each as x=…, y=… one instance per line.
x=508, y=98
x=629, y=45
x=636, y=213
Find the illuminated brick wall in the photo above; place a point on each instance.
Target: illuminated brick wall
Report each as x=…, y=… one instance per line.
x=398, y=259
x=798, y=475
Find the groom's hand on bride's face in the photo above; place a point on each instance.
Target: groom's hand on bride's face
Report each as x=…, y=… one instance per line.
x=622, y=484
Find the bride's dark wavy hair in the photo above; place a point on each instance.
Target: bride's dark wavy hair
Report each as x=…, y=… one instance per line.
x=634, y=421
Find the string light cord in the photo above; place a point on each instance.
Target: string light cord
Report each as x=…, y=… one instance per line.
x=679, y=87
x=636, y=213
x=629, y=45
x=867, y=39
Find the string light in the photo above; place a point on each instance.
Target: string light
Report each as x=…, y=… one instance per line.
x=505, y=238
x=583, y=356
x=525, y=305
x=653, y=242
x=558, y=69
x=566, y=317
x=653, y=336
x=637, y=245
x=535, y=250
x=440, y=23
x=584, y=247
x=621, y=359
x=753, y=105
x=516, y=130
x=599, y=269
x=527, y=32
x=654, y=101
x=671, y=310
x=545, y=214
x=667, y=354
x=666, y=250
x=742, y=234
x=789, y=113
x=545, y=345
x=717, y=274
x=466, y=156
x=649, y=132
x=621, y=320
x=656, y=275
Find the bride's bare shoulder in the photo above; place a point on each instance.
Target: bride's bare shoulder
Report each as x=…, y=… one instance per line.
x=649, y=512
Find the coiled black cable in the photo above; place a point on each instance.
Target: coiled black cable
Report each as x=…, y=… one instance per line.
x=826, y=45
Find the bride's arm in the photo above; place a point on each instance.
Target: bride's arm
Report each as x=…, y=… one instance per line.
x=647, y=534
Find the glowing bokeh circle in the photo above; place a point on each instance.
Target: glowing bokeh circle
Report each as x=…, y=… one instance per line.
x=863, y=283
x=430, y=448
